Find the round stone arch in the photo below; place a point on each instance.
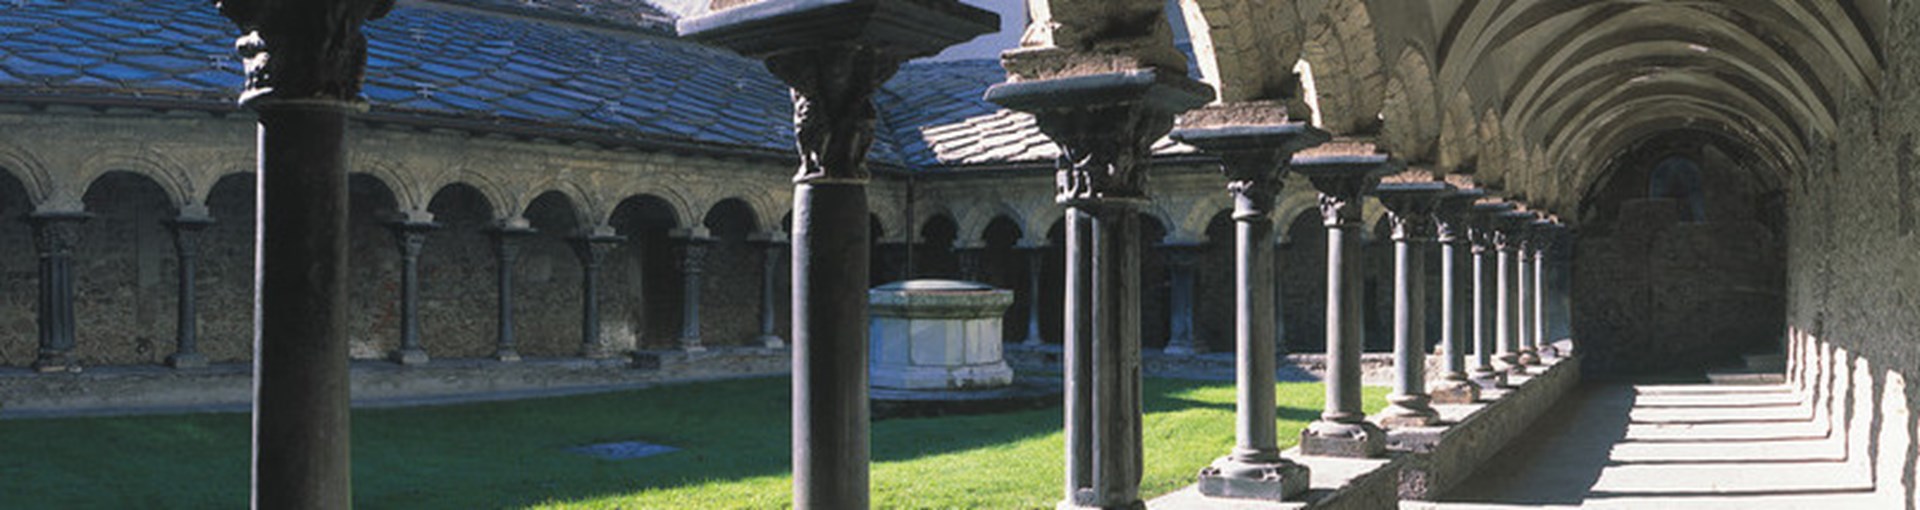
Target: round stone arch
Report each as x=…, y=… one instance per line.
x=974, y=226
x=28, y=168
x=409, y=194
x=1342, y=52
x=1198, y=215
x=488, y=190
x=1294, y=201
x=574, y=199
x=1457, y=147
x=162, y=170
x=1412, y=123
x=1167, y=224
x=1041, y=222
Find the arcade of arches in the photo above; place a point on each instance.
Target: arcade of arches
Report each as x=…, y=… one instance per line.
x=1728, y=179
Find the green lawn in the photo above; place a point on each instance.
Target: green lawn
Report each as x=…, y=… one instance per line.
x=512, y=454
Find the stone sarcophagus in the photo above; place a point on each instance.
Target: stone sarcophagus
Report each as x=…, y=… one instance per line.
x=937, y=335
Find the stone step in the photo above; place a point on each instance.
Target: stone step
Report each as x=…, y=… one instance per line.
x=1745, y=376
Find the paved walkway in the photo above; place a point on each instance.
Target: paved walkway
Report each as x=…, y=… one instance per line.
x=1656, y=446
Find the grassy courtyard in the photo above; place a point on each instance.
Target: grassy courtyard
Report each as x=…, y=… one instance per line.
x=733, y=436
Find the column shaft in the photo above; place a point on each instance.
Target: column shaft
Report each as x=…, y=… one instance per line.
x=56, y=235
x=1483, y=315
x=412, y=238
x=592, y=248
x=1541, y=342
x=1180, y=267
x=1504, y=333
x=1036, y=263
x=186, y=353
x=830, y=432
x=693, y=267
x=1523, y=306
x=1253, y=325
x=1453, y=316
x=506, y=251
x=769, y=302
x=1343, y=325
x=1102, y=338
x=301, y=420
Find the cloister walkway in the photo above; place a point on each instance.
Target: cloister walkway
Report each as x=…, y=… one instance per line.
x=1646, y=446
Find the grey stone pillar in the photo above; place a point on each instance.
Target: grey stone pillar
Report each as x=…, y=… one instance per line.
x=1105, y=125
x=1410, y=208
x=1485, y=250
x=1280, y=348
x=1343, y=179
x=693, y=243
x=506, y=251
x=411, y=235
x=1523, y=294
x=1252, y=157
x=1543, y=232
x=1506, y=299
x=304, y=63
x=186, y=230
x=774, y=245
x=1036, y=264
x=1181, y=259
x=592, y=246
x=834, y=55
x=55, y=235
x=1456, y=308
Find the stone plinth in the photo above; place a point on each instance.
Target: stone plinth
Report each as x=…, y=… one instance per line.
x=937, y=335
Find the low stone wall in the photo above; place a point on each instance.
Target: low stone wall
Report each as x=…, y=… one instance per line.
x=128, y=390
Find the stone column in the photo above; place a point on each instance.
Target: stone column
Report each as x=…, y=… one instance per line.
x=1485, y=249
x=55, y=235
x=1105, y=125
x=1506, y=303
x=592, y=247
x=693, y=244
x=1343, y=179
x=1181, y=259
x=506, y=250
x=773, y=244
x=411, y=234
x=1036, y=265
x=1410, y=208
x=833, y=73
x=969, y=255
x=1280, y=348
x=186, y=230
x=1543, y=231
x=1252, y=157
x=1523, y=293
x=1455, y=386
x=304, y=63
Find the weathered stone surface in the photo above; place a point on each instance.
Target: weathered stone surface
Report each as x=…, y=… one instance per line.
x=937, y=334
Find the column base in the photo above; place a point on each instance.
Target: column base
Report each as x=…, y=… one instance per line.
x=1510, y=363
x=1548, y=351
x=1179, y=348
x=1454, y=389
x=1337, y=439
x=1487, y=379
x=1405, y=411
x=50, y=362
x=1275, y=480
x=409, y=357
x=692, y=345
x=187, y=360
x=771, y=341
x=1529, y=357
x=506, y=356
x=596, y=352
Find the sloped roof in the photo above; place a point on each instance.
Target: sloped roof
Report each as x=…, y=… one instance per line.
x=489, y=67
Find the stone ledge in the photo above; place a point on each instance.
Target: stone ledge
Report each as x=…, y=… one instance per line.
x=1450, y=455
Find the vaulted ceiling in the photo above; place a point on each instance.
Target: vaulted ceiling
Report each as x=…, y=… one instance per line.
x=1536, y=96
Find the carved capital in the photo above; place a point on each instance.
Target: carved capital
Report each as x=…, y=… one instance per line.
x=592, y=249
x=693, y=254
x=1339, y=210
x=506, y=243
x=833, y=113
x=186, y=233
x=1254, y=198
x=1104, y=151
x=302, y=50
x=55, y=235
x=1411, y=227
x=411, y=236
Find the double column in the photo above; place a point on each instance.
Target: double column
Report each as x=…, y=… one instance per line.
x=1483, y=218
x=1509, y=237
x=693, y=243
x=1252, y=155
x=1456, y=306
x=55, y=236
x=1544, y=231
x=506, y=252
x=592, y=246
x=833, y=74
x=304, y=63
x=186, y=230
x=773, y=245
x=1105, y=125
x=1181, y=259
x=411, y=235
x=1410, y=209
x=1343, y=180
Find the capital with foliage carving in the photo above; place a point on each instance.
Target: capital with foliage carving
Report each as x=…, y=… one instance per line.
x=302, y=49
